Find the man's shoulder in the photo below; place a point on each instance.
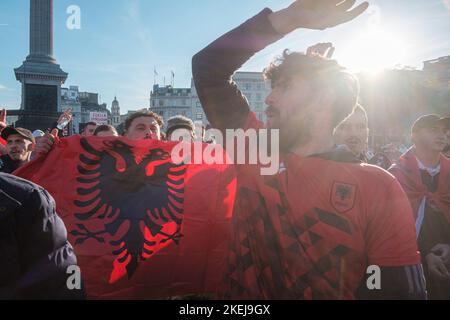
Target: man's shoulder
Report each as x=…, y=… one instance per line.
x=363, y=174
x=376, y=175
x=17, y=187
x=347, y=164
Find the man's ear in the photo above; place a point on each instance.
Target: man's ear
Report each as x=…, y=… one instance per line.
x=31, y=147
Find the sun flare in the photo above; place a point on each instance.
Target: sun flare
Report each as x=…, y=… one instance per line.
x=374, y=51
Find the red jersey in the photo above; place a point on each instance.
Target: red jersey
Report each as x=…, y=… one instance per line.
x=311, y=231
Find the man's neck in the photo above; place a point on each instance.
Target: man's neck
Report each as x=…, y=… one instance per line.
x=315, y=146
x=429, y=159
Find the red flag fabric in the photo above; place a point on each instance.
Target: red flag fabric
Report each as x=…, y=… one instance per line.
x=142, y=226
x=2, y=146
x=406, y=170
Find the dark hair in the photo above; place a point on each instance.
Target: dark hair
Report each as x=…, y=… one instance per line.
x=103, y=128
x=91, y=123
x=322, y=73
x=143, y=113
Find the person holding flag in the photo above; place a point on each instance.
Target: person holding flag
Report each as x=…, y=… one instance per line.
x=315, y=229
x=143, y=225
x=424, y=173
x=19, y=147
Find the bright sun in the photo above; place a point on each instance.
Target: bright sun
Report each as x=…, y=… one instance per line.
x=373, y=51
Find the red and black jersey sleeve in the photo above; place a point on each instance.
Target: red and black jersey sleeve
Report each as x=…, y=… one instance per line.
x=390, y=234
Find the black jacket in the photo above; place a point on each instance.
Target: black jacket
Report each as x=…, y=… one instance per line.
x=34, y=251
x=7, y=165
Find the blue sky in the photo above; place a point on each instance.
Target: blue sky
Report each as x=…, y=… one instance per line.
x=122, y=41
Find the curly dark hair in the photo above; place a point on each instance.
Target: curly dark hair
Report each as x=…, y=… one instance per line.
x=321, y=73
x=143, y=113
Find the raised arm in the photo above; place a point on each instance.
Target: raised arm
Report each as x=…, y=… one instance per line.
x=224, y=104
x=212, y=68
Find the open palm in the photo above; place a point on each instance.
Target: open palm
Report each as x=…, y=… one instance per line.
x=317, y=14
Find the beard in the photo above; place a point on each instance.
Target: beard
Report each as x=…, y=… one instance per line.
x=294, y=132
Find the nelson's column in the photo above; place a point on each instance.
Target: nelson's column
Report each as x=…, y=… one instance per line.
x=40, y=75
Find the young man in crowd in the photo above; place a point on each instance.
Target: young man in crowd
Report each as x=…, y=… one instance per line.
x=353, y=132
x=143, y=124
x=184, y=126
x=425, y=176
x=106, y=130
x=312, y=230
x=89, y=129
x=35, y=254
x=19, y=146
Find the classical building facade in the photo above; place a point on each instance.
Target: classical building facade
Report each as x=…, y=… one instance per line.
x=85, y=107
x=168, y=101
x=116, y=119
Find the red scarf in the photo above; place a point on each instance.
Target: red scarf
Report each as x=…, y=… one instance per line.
x=408, y=174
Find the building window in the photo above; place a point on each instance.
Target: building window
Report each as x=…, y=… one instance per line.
x=248, y=86
x=258, y=97
x=183, y=102
x=161, y=103
x=199, y=104
x=199, y=116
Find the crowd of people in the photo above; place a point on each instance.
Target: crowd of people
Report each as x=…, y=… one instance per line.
x=334, y=208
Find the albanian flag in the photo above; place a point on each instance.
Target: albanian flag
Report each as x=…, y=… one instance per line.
x=407, y=172
x=142, y=226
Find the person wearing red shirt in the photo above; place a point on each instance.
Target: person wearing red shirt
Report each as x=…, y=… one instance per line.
x=424, y=173
x=313, y=230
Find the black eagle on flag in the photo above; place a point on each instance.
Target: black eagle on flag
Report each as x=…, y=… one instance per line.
x=134, y=195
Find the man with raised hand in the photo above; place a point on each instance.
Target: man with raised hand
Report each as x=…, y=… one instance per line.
x=326, y=221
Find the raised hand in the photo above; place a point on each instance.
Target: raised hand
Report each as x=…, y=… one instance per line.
x=45, y=144
x=65, y=118
x=325, y=50
x=315, y=14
